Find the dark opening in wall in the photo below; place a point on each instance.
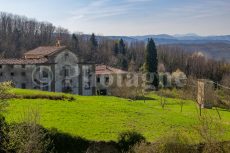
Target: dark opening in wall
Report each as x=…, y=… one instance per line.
x=106, y=80
x=23, y=86
x=23, y=73
x=98, y=79
x=45, y=74
x=102, y=92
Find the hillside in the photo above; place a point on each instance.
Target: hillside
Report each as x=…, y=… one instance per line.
x=103, y=118
x=215, y=47
x=176, y=39
x=218, y=51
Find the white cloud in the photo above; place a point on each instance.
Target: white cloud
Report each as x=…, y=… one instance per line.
x=105, y=9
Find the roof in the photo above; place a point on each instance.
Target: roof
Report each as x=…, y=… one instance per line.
x=43, y=51
x=104, y=69
x=13, y=61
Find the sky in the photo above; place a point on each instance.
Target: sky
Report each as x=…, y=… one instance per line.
x=128, y=17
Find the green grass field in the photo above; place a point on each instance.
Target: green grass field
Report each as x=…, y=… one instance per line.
x=103, y=118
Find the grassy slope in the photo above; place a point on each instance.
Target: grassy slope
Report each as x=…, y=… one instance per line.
x=103, y=118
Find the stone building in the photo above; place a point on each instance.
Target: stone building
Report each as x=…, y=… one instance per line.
x=50, y=68
x=107, y=78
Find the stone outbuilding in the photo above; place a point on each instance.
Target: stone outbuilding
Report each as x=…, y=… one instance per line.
x=108, y=77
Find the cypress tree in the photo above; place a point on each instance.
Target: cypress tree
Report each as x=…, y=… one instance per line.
x=151, y=62
x=93, y=41
x=75, y=43
x=122, y=47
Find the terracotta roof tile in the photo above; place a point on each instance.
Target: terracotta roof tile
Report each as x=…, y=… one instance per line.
x=23, y=61
x=104, y=69
x=43, y=51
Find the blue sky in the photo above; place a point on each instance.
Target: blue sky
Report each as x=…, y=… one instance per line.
x=128, y=17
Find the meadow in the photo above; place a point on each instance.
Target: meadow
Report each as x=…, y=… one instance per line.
x=104, y=117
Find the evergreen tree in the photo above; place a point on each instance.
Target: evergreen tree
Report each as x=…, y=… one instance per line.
x=75, y=43
x=151, y=62
x=116, y=48
x=93, y=41
x=122, y=47
x=124, y=64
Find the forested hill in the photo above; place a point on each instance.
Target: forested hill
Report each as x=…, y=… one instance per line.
x=215, y=47
x=177, y=39
x=19, y=34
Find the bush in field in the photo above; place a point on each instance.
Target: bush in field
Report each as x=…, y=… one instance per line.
x=26, y=138
x=174, y=143
x=211, y=132
x=2, y=134
x=40, y=96
x=127, y=140
x=143, y=148
x=4, y=94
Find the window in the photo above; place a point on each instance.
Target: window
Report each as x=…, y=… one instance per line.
x=45, y=74
x=23, y=73
x=1, y=74
x=23, y=66
x=87, y=85
x=0, y=66
x=23, y=85
x=12, y=66
x=66, y=56
x=67, y=71
x=12, y=73
x=98, y=79
x=106, y=79
x=88, y=71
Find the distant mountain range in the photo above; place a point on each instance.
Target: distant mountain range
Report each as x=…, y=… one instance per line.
x=216, y=47
x=176, y=39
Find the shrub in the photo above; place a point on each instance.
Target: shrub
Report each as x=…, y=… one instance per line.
x=174, y=143
x=4, y=94
x=126, y=140
x=26, y=138
x=214, y=148
x=2, y=134
x=143, y=148
x=169, y=93
x=40, y=96
x=65, y=143
x=211, y=132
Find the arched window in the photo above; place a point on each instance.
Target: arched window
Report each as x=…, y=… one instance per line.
x=66, y=70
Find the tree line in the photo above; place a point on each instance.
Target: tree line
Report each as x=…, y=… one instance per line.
x=19, y=34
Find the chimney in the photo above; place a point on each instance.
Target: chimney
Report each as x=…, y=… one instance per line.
x=58, y=43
